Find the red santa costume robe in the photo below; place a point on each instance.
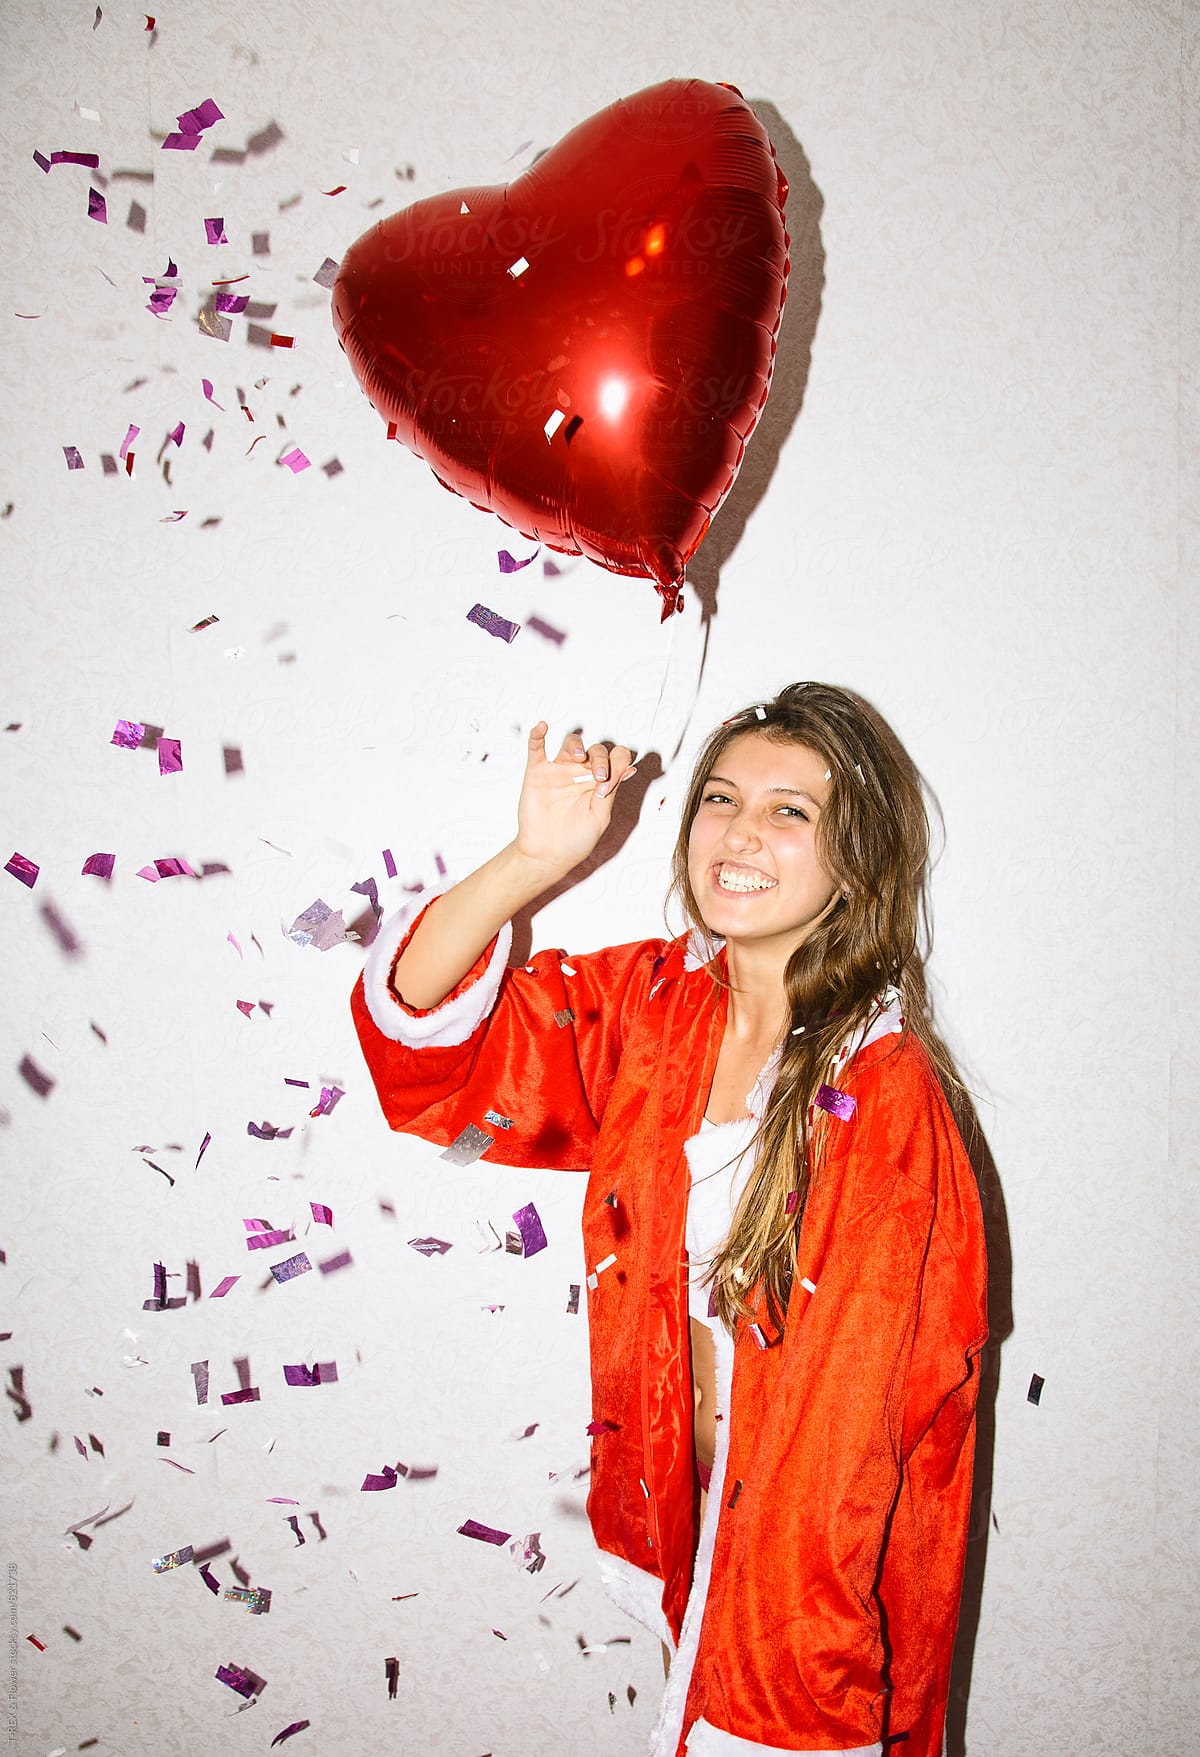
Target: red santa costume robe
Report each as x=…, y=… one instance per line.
x=826, y=1607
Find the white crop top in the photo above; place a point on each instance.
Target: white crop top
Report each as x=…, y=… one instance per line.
x=719, y=1163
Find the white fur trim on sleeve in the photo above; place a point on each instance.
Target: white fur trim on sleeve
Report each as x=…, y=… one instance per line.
x=445, y=1026
x=637, y=1592
x=706, y=1740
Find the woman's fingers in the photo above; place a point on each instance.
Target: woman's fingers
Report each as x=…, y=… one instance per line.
x=605, y=766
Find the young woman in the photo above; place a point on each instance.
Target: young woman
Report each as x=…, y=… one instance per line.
x=784, y=1248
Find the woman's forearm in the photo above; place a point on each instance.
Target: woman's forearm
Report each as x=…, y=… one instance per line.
x=459, y=926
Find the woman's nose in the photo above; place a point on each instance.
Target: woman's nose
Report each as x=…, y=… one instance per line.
x=741, y=832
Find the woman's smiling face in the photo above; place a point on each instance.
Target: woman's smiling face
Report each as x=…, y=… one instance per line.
x=753, y=860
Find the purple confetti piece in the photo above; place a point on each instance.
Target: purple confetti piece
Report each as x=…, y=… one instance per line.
x=203, y=1147
x=547, y=631
x=68, y=941
x=223, y=1286
x=327, y=273
x=529, y=1224
x=266, y=1132
x=492, y=623
x=200, y=1376
x=170, y=756
x=214, y=231
x=23, y=869
x=206, y=386
x=161, y=300
x=793, y=1199
x=430, y=1247
x=485, y=1533
x=175, y=436
x=297, y=1726
x=158, y=1300
x=34, y=1077
x=42, y=161
x=130, y=436
x=343, y=1260
x=236, y=1678
x=210, y=1580
x=97, y=207
x=318, y=926
x=181, y=143
x=324, y=1372
x=173, y=866
x=247, y=1394
x=233, y=304
x=329, y=1097
x=91, y=161
x=321, y=1214
x=98, y=866
x=173, y=1559
x=573, y=1298
x=1034, y=1393
x=839, y=1104
x=291, y=1267
x=266, y=1241
x=294, y=460
x=389, y=865
x=373, y=1484
x=202, y=117
x=128, y=734
x=510, y=564
x=370, y=890
x=295, y=1525
x=73, y=457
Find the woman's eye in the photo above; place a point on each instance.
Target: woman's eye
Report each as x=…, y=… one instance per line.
x=717, y=799
x=794, y=811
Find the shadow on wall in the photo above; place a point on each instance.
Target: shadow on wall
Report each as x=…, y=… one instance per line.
x=806, y=280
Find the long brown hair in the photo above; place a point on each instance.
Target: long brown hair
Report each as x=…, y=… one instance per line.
x=873, y=840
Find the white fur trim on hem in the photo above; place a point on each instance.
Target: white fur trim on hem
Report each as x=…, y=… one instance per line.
x=637, y=1593
x=706, y=1740
x=445, y=1026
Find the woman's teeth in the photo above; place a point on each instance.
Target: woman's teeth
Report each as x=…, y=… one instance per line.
x=743, y=881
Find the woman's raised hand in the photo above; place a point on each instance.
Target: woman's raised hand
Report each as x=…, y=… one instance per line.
x=566, y=801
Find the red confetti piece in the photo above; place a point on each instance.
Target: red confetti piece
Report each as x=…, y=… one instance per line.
x=340, y=190
x=40, y=1645
x=278, y=341
x=23, y=869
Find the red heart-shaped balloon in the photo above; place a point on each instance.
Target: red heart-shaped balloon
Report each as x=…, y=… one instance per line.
x=586, y=351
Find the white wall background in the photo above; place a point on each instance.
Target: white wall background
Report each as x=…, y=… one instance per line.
x=982, y=516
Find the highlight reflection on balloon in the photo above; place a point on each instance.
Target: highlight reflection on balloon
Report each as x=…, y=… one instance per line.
x=586, y=351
